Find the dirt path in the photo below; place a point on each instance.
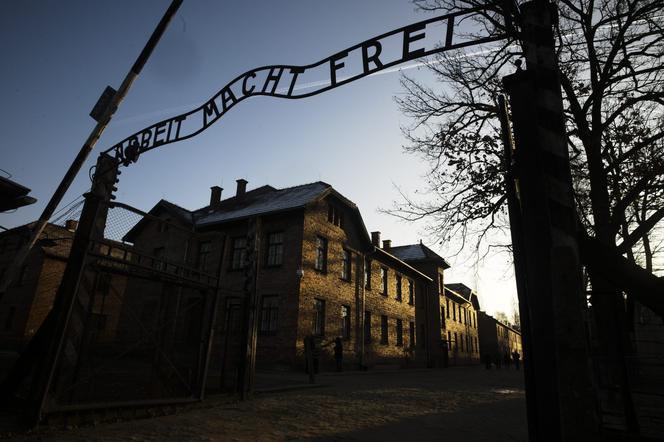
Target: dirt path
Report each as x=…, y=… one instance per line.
x=458, y=404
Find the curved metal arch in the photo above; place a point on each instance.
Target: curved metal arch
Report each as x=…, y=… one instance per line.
x=169, y=130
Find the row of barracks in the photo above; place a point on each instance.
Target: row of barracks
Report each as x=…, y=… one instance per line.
x=320, y=273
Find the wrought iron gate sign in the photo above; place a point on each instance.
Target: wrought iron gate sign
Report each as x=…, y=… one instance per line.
x=286, y=81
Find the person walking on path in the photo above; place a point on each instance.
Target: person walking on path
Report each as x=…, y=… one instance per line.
x=339, y=353
x=516, y=356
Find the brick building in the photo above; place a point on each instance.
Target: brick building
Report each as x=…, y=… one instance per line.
x=30, y=296
x=319, y=273
x=461, y=324
x=497, y=339
x=431, y=264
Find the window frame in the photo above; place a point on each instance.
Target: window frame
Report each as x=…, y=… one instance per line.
x=346, y=265
x=238, y=252
x=320, y=263
x=384, y=281
x=318, y=323
x=384, y=330
x=269, y=316
x=277, y=247
x=203, y=255
x=399, y=333
x=399, y=294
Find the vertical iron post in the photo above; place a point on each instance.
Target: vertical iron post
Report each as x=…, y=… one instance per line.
x=520, y=269
x=91, y=226
x=563, y=405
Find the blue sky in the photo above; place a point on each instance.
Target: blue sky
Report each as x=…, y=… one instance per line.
x=59, y=55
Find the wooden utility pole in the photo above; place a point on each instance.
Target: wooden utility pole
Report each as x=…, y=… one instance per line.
x=561, y=399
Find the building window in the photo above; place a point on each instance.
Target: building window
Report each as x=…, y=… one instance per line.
x=275, y=248
x=346, y=265
x=449, y=340
x=321, y=254
x=456, y=343
x=447, y=304
x=319, y=318
x=383, y=279
x=335, y=216
x=411, y=331
x=239, y=256
x=441, y=286
x=454, y=310
x=204, y=249
x=459, y=306
x=345, y=322
x=411, y=292
x=442, y=317
x=399, y=333
x=461, y=341
x=398, y=287
x=367, y=326
x=269, y=314
x=367, y=274
x=383, y=330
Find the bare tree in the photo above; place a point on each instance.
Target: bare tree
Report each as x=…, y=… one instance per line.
x=502, y=317
x=611, y=55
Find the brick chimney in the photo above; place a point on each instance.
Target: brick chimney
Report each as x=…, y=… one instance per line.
x=215, y=196
x=375, y=238
x=387, y=244
x=241, y=189
x=71, y=225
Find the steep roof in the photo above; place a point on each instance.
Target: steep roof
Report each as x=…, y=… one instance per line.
x=418, y=252
x=174, y=210
x=464, y=292
x=380, y=253
x=262, y=201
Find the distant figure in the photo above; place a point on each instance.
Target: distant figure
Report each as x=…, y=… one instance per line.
x=507, y=359
x=339, y=353
x=516, y=356
x=487, y=361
